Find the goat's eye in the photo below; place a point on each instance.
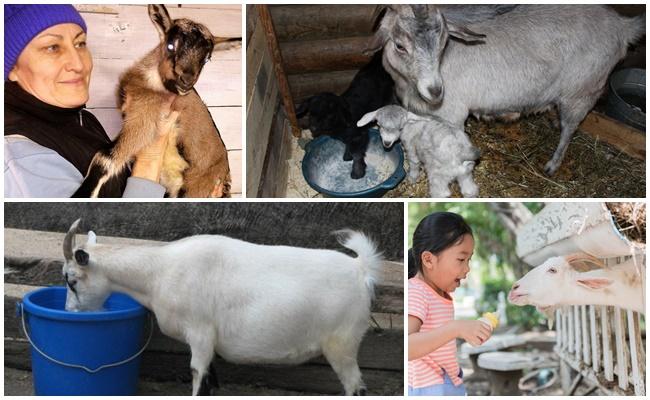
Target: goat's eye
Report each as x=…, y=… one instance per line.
x=552, y=270
x=207, y=60
x=400, y=48
x=170, y=46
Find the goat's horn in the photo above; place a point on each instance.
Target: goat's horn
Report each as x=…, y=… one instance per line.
x=68, y=242
x=584, y=257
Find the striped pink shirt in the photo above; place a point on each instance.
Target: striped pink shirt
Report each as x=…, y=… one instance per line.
x=434, y=311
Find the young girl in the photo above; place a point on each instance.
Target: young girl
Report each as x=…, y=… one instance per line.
x=442, y=247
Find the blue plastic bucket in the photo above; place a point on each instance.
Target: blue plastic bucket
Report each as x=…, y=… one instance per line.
x=83, y=353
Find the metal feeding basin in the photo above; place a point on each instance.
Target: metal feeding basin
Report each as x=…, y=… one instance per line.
x=325, y=171
x=626, y=100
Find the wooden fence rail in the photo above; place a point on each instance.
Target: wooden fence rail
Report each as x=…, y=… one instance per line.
x=605, y=345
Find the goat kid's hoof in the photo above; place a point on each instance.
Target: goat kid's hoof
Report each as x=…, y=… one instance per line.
x=358, y=174
x=358, y=170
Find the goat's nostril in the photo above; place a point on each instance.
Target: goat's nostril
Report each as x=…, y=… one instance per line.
x=515, y=286
x=435, y=91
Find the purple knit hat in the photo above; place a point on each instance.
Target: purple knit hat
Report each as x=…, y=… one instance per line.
x=24, y=21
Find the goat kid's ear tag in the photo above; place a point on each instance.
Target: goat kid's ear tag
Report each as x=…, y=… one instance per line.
x=81, y=257
x=92, y=238
x=595, y=283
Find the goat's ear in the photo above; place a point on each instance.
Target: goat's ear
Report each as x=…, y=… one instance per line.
x=376, y=43
x=160, y=18
x=81, y=257
x=366, y=119
x=92, y=238
x=224, y=43
x=460, y=32
x=594, y=283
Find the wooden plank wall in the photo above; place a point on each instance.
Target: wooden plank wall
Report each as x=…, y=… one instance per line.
x=322, y=45
x=118, y=35
x=605, y=345
x=261, y=103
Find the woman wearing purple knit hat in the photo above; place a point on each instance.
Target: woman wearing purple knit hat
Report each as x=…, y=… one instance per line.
x=49, y=138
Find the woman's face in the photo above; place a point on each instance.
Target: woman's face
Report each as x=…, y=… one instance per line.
x=450, y=266
x=55, y=66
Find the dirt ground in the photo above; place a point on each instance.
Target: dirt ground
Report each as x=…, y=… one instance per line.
x=19, y=383
x=513, y=155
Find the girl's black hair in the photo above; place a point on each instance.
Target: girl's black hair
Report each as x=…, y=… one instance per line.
x=435, y=233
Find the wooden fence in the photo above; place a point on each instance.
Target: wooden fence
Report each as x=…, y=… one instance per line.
x=604, y=345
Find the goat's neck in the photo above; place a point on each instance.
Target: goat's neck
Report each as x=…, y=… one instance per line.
x=129, y=269
x=148, y=67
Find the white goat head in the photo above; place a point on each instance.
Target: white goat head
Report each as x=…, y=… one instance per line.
x=87, y=289
x=391, y=119
x=579, y=279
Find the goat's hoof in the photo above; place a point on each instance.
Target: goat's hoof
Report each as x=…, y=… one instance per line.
x=358, y=171
x=361, y=392
x=550, y=168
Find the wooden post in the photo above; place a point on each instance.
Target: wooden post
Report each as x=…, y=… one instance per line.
x=586, y=343
x=621, y=357
x=595, y=340
x=608, y=356
x=578, y=333
x=570, y=337
x=635, y=336
x=274, y=49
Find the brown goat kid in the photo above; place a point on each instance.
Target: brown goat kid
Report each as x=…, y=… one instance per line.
x=167, y=75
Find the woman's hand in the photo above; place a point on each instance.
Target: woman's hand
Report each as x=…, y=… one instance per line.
x=473, y=332
x=148, y=162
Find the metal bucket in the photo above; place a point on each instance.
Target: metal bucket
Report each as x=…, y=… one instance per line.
x=626, y=100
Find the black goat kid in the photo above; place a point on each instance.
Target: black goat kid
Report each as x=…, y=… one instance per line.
x=337, y=116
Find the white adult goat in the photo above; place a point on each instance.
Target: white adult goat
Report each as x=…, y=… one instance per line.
x=248, y=303
x=573, y=280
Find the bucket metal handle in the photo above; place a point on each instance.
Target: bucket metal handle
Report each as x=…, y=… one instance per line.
x=89, y=370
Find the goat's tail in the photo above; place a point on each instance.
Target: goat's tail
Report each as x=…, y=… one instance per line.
x=369, y=258
x=637, y=28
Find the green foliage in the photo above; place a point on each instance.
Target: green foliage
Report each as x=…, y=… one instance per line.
x=526, y=316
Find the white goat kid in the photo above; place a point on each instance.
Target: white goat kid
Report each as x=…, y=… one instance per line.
x=248, y=303
x=445, y=151
x=580, y=279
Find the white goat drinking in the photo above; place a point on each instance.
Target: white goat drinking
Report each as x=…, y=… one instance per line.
x=445, y=151
x=579, y=279
x=248, y=303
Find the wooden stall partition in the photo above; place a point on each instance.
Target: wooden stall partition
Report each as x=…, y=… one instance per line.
x=261, y=105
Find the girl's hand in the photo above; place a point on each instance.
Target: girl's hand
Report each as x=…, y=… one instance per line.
x=474, y=332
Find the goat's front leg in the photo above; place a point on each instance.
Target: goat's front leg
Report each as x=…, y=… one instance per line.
x=468, y=187
x=413, y=162
x=202, y=353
